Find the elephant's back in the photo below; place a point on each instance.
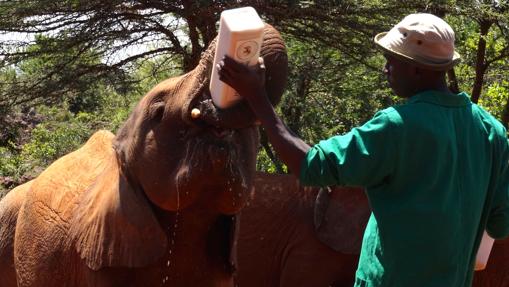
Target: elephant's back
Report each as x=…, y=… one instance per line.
x=282, y=190
x=278, y=245
x=9, y=209
x=274, y=214
x=44, y=219
x=54, y=194
x=279, y=206
x=57, y=188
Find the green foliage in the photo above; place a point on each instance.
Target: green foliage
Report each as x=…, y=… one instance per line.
x=76, y=64
x=264, y=163
x=149, y=73
x=495, y=98
x=55, y=138
x=494, y=95
x=327, y=95
x=10, y=163
x=63, y=131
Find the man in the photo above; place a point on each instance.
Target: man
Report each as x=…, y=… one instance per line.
x=435, y=168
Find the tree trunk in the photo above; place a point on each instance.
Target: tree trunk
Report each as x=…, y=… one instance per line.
x=264, y=141
x=440, y=11
x=292, y=112
x=505, y=115
x=453, y=81
x=480, y=65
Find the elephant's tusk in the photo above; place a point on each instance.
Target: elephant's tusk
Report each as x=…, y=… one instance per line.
x=195, y=113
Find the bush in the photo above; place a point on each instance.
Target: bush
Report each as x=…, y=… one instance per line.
x=59, y=133
x=51, y=140
x=30, y=142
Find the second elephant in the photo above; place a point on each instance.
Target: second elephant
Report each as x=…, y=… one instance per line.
x=278, y=245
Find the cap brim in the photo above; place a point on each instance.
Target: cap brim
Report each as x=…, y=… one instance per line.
x=419, y=62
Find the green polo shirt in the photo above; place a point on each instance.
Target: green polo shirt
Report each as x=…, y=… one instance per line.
x=436, y=174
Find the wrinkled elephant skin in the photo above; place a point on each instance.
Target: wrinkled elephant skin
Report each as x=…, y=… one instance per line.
x=9, y=209
x=278, y=245
x=153, y=205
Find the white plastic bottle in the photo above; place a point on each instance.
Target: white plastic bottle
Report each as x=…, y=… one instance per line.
x=240, y=37
x=484, y=252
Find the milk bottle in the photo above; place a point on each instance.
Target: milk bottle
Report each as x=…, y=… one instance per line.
x=240, y=37
x=484, y=252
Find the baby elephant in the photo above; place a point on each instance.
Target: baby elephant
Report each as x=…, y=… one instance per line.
x=153, y=205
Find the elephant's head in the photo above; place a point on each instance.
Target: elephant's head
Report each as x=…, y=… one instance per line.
x=178, y=160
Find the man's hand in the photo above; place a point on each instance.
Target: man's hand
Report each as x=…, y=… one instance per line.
x=248, y=82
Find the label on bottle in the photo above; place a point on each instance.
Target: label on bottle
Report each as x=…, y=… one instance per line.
x=246, y=50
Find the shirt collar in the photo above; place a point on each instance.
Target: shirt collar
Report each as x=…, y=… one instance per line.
x=441, y=98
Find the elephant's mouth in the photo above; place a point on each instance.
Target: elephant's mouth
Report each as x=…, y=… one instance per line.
x=221, y=122
x=213, y=155
x=214, y=142
x=219, y=145
x=221, y=133
x=217, y=136
x=212, y=133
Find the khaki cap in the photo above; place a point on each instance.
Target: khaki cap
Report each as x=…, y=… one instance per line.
x=422, y=39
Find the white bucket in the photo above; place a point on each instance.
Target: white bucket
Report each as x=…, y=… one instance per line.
x=484, y=252
x=240, y=37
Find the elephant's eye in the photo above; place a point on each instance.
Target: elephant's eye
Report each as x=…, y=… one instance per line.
x=157, y=112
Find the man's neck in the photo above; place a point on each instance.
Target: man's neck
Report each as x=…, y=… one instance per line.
x=439, y=84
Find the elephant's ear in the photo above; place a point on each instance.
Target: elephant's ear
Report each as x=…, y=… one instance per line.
x=114, y=225
x=340, y=216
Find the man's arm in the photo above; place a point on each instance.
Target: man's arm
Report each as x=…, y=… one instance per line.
x=250, y=85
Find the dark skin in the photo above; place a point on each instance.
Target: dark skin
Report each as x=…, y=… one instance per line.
x=405, y=79
x=250, y=85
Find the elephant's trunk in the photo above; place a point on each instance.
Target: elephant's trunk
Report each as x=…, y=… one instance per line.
x=273, y=51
